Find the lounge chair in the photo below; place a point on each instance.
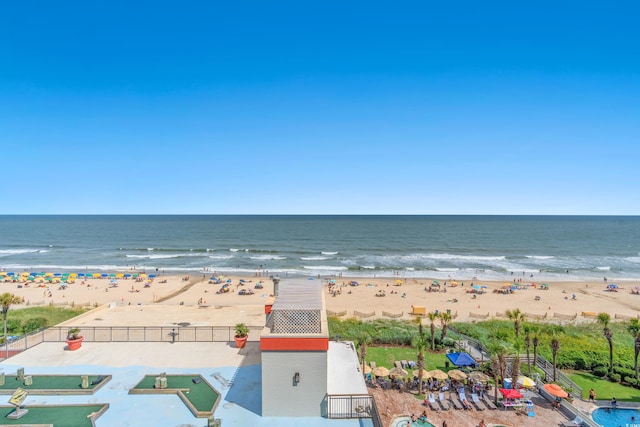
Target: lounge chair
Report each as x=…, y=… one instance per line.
x=476, y=402
x=405, y=365
x=454, y=401
x=398, y=364
x=443, y=401
x=432, y=403
x=487, y=401
x=463, y=400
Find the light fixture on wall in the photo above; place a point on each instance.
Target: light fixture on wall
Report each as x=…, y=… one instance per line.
x=296, y=377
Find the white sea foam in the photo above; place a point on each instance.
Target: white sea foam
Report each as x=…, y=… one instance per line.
x=324, y=267
x=7, y=252
x=368, y=267
x=634, y=259
x=329, y=253
x=541, y=257
x=267, y=257
x=221, y=256
x=314, y=258
x=605, y=268
x=447, y=270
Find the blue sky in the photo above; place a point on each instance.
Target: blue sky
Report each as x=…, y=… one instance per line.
x=326, y=107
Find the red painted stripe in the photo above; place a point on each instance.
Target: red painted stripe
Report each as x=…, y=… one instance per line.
x=294, y=344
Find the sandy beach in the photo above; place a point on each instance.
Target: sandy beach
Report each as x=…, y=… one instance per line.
x=559, y=301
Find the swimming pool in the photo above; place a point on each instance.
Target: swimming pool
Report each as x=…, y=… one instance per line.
x=402, y=422
x=616, y=417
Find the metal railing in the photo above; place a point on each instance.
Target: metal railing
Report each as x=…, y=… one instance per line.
x=128, y=334
x=541, y=362
x=353, y=406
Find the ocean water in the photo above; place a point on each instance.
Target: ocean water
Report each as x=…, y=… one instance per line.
x=462, y=247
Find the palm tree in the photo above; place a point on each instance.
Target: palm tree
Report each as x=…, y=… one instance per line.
x=445, y=319
x=535, y=340
x=420, y=344
x=604, y=319
x=515, y=366
x=362, y=341
x=527, y=345
x=432, y=318
x=497, y=352
x=517, y=317
x=634, y=328
x=6, y=301
x=555, y=347
x=418, y=321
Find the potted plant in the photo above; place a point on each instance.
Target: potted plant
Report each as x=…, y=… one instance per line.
x=242, y=332
x=74, y=339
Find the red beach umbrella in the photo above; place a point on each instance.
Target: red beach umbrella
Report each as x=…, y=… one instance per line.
x=510, y=393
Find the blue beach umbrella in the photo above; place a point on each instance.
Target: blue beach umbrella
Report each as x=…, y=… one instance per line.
x=127, y=275
x=152, y=276
x=104, y=275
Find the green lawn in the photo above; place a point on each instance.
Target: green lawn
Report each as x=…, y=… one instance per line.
x=604, y=389
x=202, y=395
x=50, y=382
x=58, y=415
x=386, y=356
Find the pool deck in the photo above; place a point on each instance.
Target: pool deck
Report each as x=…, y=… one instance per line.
x=236, y=373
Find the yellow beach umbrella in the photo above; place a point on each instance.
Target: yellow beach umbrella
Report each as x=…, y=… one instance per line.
x=96, y=275
x=438, y=374
x=48, y=274
x=381, y=371
x=425, y=374
x=3, y=273
x=120, y=276
x=456, y=374
x=73, y=275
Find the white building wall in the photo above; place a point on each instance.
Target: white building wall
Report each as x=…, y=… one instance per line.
x=281, y=397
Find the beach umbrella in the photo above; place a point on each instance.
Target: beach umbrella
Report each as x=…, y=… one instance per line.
x=104, y=275
x=479, y=376
x=119, y=276
x=612, y=286
x=152, y=276
x=398, y=281
x=367, y=369
x=3, y=273
x=112, y=275
x=425, y=374
x=435, y=283
x=453, y=282
x=456, y=374
x=555, y=390
x=399, y=372
x=526, y=382
x=381, y=371
x=57, y=275
x=127, y=275
x=438, y=374
x=510, y=393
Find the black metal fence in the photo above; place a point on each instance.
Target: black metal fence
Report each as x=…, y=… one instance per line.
x=353, y=406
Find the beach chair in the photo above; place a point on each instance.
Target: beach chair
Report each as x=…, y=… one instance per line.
x=476, y=402
x=454, y=401
x=443, y=401
x=463, y=400
x=432, y=403
x=404, y=363
x=487, y=401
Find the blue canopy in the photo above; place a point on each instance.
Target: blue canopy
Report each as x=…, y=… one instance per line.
x=461, y=359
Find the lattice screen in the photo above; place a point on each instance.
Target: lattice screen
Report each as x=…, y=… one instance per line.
x=295, y=322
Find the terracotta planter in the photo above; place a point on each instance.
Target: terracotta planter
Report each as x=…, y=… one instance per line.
x=74, y=344
x=240, y=342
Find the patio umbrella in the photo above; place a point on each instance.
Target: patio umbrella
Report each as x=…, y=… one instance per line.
x=555, y=390
x=398, y=372
x=479, y=376
x=425, y=374
x=381, y=371
x=456, y=374
x=510, y=393
x=367, y=369
x=526, y=382
x=435, y=283
x=438, y=374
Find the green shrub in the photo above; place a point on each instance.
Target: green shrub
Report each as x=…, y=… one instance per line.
x=631, y=381
x=614, y=378
x=624, y=372
x=600, y=371
x=35, y=324
x=14, y=326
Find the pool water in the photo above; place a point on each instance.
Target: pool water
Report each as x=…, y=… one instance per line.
x=402, y=422
x=616, y=417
